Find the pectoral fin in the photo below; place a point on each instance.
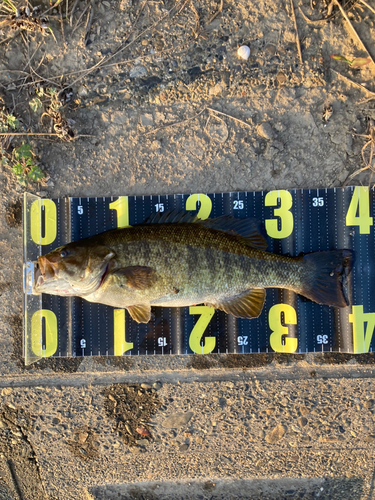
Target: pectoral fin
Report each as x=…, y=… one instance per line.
x=137, y=277
x=140, y=314
x=246, y=305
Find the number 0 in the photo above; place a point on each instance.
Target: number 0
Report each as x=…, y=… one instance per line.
x=46, y=209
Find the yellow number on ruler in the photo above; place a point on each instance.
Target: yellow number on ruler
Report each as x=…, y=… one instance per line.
x=360, y=203
x=205, y=208
x=121, y=205
x=199, y=329
x=362, y=339
x=50, y=333
x=279, y=331
x=286, y=217
x=46, y=209
x=120, y=344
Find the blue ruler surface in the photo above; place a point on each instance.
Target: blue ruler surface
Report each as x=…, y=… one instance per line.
x=295, y=221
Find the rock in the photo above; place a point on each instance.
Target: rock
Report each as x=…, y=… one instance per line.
x=217, y=89
x=304, y=411
x=146, y=121
x=269, y=411
x=217, y=130
x=302, y=421
x=146, y=387
x=138, y=71
x=265, y=130
x=6, y=391
x=177, y=420
x=157, y=385
x=82, y=91
x=82, y=437
x=281, y=78
x=276, y=434
x=184, y=447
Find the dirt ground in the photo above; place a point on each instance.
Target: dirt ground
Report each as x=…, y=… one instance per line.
x=150, y=97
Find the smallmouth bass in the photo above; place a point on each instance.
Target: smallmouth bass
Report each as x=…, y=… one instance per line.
x=176, y=260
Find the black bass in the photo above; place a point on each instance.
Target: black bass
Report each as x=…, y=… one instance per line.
x=177, y=260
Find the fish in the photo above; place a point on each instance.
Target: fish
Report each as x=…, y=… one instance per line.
x=175, y=259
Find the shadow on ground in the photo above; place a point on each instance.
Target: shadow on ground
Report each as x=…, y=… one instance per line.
x=265, y=489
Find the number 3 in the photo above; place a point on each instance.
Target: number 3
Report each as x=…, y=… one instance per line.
x=283, y=212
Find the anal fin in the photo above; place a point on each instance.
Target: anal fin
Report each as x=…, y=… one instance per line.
x=140, y=314
x=248, y=304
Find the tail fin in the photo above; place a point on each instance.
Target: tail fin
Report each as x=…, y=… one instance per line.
x=326, y=277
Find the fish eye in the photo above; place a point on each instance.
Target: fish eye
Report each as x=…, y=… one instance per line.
x=64, y=254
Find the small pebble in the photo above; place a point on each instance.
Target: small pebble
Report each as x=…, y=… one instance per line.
x=6, y=391
x=177, y=420
x=146, y=387
x=302, y=421
x=276, y=434
x=157, y=385
x=265, y=130
x=244, y=52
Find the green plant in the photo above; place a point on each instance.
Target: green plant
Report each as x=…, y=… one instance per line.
x=357, y=62
x=35, y=104
x=8, y=6
x=51, y=99
x=8, y=122
x=22, y=163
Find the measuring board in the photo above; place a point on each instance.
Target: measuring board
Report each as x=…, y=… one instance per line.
x=295, y=221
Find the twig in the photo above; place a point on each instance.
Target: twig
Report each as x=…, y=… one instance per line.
x=44, y=79
x=72, y=12
x=174, y=124
x=319, y=23
x=297, y=35
x=354, y=31
x=88, y=24
x=219, y=10
x=368, y=6
x=62, y=26
x=32, y=57
x=40, y=134
x=80, y=17
x=229, y=116
x=353, y=82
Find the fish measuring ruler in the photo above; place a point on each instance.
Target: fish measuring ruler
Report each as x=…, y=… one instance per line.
x=295, y=221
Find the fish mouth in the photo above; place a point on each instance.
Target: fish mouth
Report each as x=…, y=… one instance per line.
x=45, y=271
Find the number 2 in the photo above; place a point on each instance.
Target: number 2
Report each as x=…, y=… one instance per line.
x=199, y=329
x=237, y=204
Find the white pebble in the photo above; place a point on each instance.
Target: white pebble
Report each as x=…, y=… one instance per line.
x=244, y=52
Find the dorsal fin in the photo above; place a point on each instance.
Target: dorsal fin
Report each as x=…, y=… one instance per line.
x=175, y=216
x=248, y=228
